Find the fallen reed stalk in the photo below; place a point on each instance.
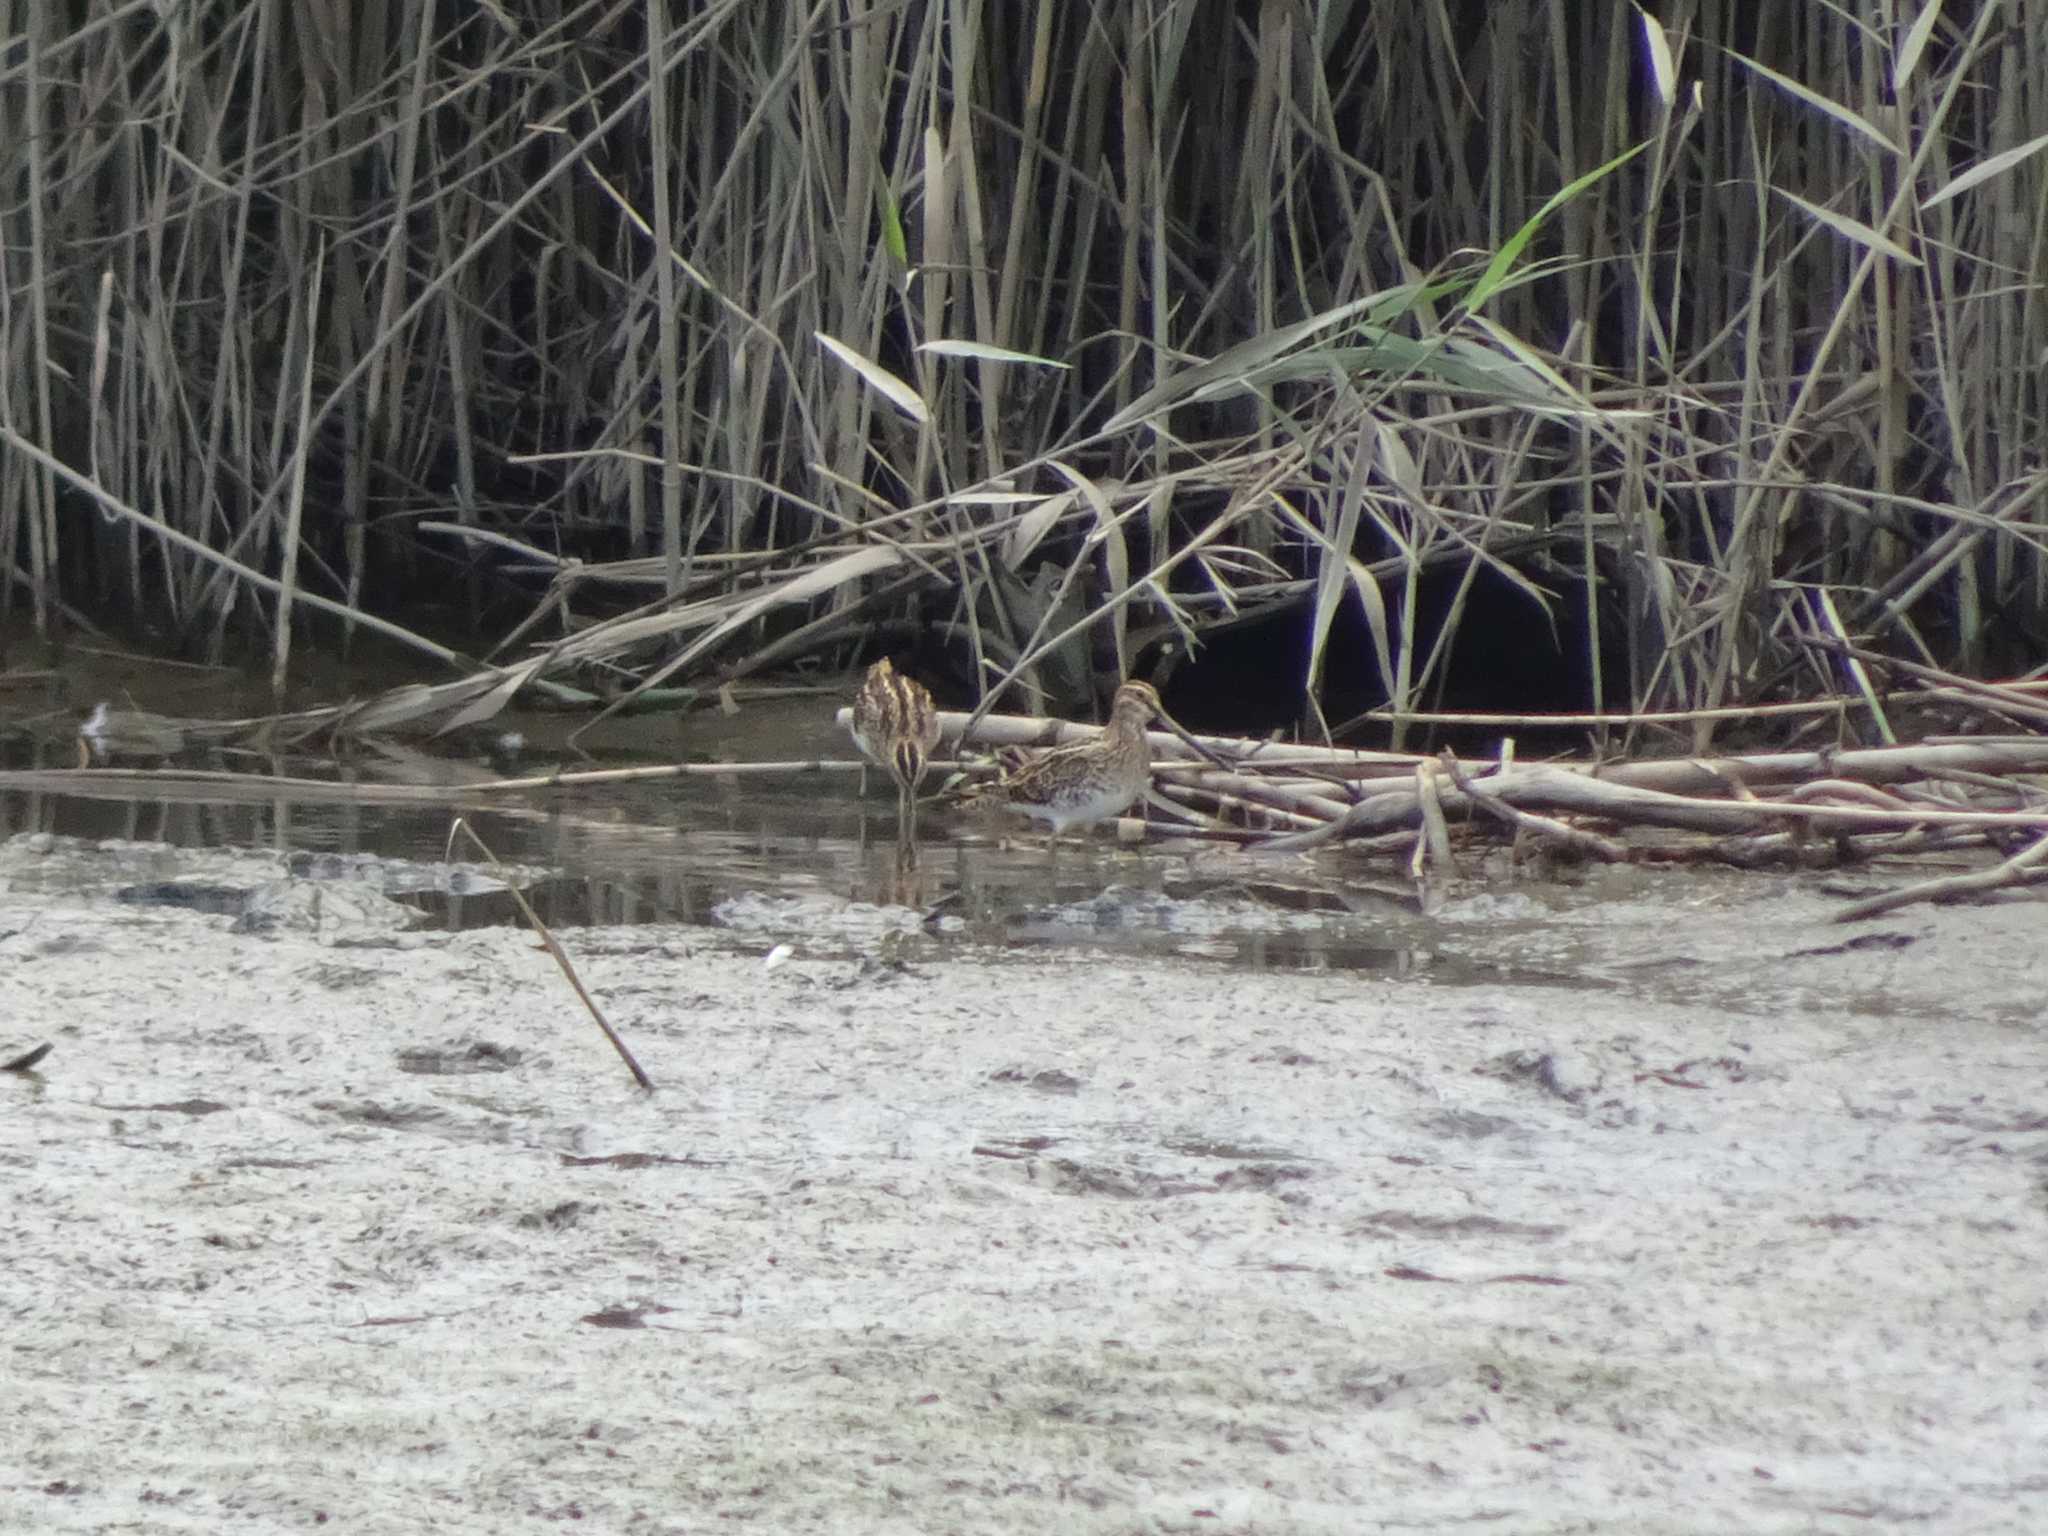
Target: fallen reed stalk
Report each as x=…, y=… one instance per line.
x=461, y=827
x=2020, y=870
x=222, y=786
x=1606, y=850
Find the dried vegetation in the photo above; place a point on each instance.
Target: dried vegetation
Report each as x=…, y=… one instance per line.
x=1067, y=337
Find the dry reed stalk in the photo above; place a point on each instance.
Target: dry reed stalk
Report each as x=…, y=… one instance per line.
x=2022, y=869
x=555, y=951
x=229, y=788
x=1547, y=828
x=295, y=500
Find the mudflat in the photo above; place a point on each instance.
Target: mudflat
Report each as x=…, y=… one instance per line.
x=1696, y=1213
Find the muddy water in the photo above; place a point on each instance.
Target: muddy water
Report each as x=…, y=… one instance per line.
x=762, y=856
x=748, y=850
x=759, y=855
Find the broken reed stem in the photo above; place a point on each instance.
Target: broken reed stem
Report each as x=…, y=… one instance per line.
x=1274, y=796
x=2022, y=868
x=1964, y=691
x=1999, y=696
x=1035, y=731
x=547, y=939
x=1605, y=849
x=26, y=1062
x=223, y=785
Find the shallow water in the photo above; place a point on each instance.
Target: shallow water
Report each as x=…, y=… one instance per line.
x=746, y=850
x=768, y=857
x=761, y=861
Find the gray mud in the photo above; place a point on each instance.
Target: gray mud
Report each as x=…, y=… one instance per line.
x=1706, y=1215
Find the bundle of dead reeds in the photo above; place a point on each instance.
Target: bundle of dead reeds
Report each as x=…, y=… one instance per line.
x=1832, y=807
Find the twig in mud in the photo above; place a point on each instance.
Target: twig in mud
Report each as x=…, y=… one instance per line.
x=2023, y=868
x=26, y=1061
x=547, y=939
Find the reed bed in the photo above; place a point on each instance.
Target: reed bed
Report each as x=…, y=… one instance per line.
x=676, y=342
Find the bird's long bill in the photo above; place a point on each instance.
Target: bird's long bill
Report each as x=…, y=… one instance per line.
x=1201, y=750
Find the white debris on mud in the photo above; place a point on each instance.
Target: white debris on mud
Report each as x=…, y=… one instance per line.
x=1695, y=1220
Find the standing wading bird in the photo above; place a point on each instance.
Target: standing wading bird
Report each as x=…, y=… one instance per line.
x=895, y=724
x=1079, y=785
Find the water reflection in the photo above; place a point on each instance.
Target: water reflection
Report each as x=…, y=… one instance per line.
x=792, y=853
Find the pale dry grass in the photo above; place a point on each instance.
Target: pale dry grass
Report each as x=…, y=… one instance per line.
x=1072, y=331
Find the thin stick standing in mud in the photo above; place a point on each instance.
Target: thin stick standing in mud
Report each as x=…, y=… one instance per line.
x=25, y=1063
x=547, y=939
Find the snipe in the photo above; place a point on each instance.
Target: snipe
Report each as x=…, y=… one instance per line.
x=1082, y=784
x=896, y=725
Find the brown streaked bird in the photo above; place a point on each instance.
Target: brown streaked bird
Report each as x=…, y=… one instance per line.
x=895, y=724
x=1079, y=785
